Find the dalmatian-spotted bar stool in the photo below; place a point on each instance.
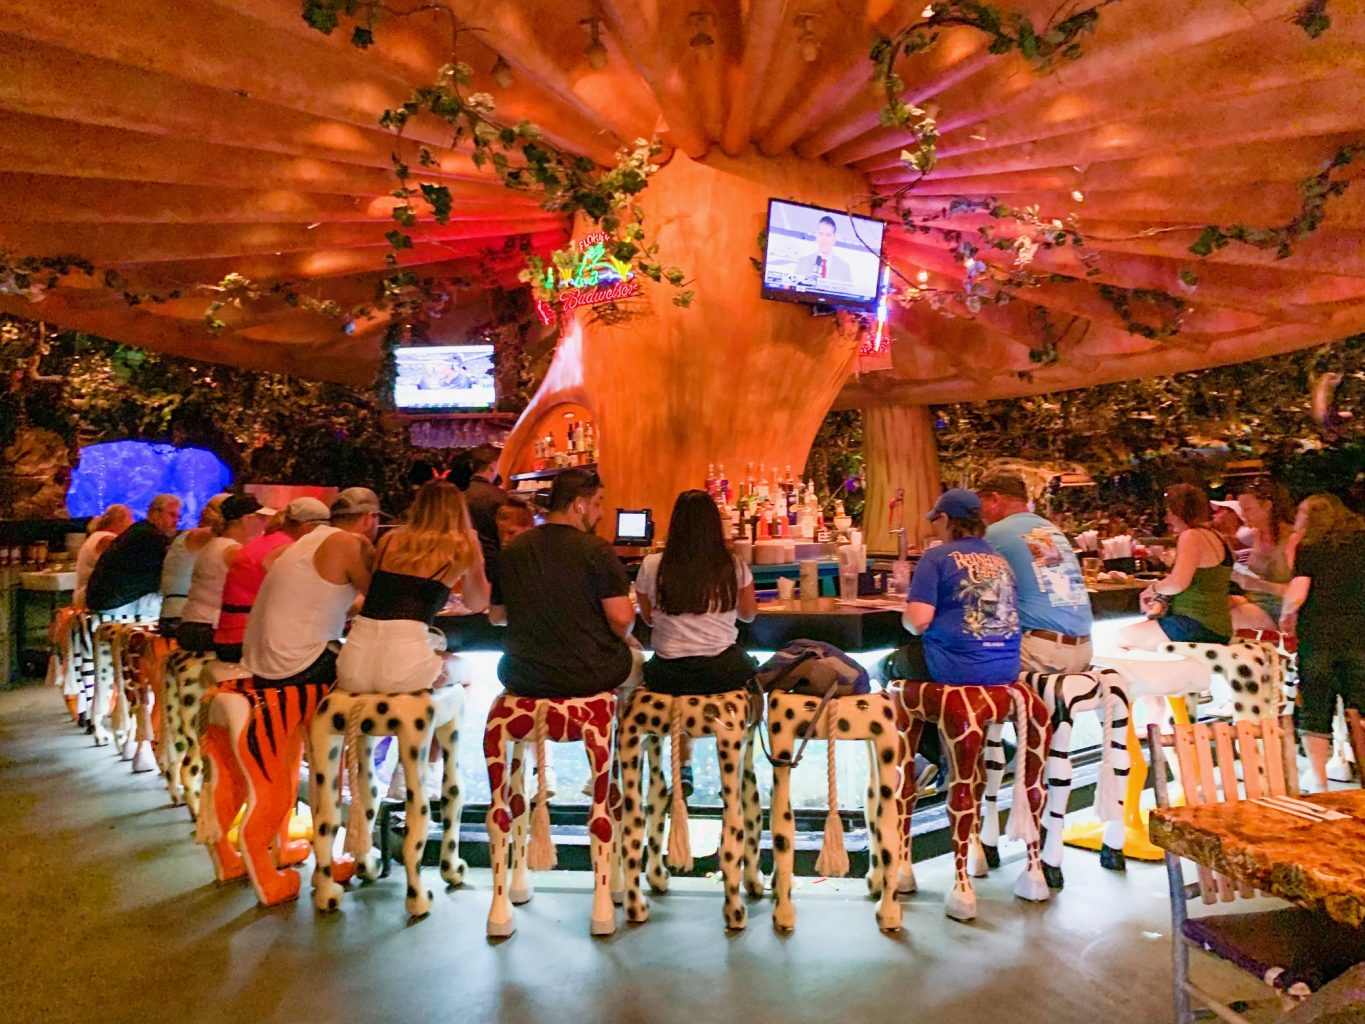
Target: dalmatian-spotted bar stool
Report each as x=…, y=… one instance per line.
x=1068, y=694
x=1252, y=669
x=414, y=720
x=963, y=714
x=184, y=681
x=731, y=718
x=512, y=723
x=875, y=719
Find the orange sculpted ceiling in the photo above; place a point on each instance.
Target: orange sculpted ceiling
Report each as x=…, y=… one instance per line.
x=178, y=141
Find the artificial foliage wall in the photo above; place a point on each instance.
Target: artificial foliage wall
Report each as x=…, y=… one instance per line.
x=267, y=427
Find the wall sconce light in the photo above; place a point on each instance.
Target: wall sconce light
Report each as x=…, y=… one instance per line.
x=595, y=52
x=502, y=72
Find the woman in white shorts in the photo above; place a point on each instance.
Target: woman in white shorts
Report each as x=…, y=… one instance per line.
x=391, y=647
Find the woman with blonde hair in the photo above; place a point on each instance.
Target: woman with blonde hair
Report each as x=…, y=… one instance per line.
x=102, y=528
x=390, y=646
x=1267, y=509
x=1325, y=601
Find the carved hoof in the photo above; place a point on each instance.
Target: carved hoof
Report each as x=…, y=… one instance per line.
x=419, y=904
x=604, y=926
x=143, y=758
x=281, y=889
x=618, y=897
x=1032, y=885
x=1053, y=876
x=906, y=884
x=367, y=867
x=127, y=747
x=501, y=923
x=960, y=905
x=638, y=913
x=874, y=883
x=1112, y=859
x=754, y=886
x=784, y=917
x=977, y=864
x=736, y=919
x=295, y=851
x=889, y=917
x=326, y=895
x=658, y=882
x=520, y=897
x=992, y=855
x=452, y=871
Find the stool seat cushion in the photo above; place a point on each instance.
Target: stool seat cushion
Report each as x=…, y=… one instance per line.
x=1283, y=947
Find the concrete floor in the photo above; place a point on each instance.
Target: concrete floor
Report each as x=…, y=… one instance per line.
x=110, y=914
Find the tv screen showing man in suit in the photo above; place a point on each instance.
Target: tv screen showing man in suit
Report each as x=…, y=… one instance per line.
x=816, y=255
x=445, y=377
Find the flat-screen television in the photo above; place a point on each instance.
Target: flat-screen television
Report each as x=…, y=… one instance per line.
x=822, y=256
x=448, y=378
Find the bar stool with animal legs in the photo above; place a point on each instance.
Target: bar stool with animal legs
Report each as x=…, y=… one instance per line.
x=731, y=717
x=963, y=714
x=184, y=684
x=253, y=740
x=144, y=663
x=1067, y=694
x=1252, y=669
x=106, y=649
x=414, y=720
x=875, y=719
x=512, y=723
x=63, y=666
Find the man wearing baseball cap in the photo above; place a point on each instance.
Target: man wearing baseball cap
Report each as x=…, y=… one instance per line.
x=308, y=592
x=248, y=569
x=1054, y=607
x=961, y=605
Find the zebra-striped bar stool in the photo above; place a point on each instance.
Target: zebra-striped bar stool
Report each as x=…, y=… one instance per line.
x=731, y=718
x=1068, y=694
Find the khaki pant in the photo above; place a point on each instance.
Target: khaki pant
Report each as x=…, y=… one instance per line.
x=1039, y=655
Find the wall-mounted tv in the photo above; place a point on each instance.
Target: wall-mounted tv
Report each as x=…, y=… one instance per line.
x=817, y=255
x=445, y=378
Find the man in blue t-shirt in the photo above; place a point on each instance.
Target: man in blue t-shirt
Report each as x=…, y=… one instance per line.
x=1054, y=607
x=961, y=603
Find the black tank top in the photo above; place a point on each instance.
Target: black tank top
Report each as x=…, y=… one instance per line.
x=396, y=595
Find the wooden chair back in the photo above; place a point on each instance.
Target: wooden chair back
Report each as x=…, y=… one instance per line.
x=1355, y=725
x=1209, y=755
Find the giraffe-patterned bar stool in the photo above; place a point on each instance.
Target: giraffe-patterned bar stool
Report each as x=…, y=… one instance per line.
x=512, y=723
x=414, y=719
x=731, y=718
x=875, y=719
x=1068, y=694
x=963, y=713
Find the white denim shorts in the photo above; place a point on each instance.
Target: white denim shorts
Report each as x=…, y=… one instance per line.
x=388, y=656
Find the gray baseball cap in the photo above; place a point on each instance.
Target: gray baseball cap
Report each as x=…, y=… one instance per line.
x=355, y=501
x=307, y=510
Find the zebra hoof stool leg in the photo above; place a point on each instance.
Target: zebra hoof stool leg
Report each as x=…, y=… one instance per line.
x=992, y=855
x=1112, y=859
x=1053, y=875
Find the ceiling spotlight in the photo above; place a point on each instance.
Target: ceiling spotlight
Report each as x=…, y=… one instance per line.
x=595, y=52
x=808, y=41
x=1078, y=195
x=702, y=40
x=922, y=277
x=502, y=72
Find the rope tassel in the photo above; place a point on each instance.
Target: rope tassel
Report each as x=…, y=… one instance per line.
x=679, y=841
x=358, y=840
x=1022, y=823
x=541, y=856
x=833, y=859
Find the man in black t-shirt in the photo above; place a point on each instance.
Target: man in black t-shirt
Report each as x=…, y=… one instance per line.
x=566, y=601
x=483, y=497
x=130, y=568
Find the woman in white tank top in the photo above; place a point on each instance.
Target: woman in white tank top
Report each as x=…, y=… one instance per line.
x=199, y=617
x=178, y=568
x=103, y=529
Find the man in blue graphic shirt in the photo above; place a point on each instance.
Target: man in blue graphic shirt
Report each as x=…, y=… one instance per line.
x=1054, y=607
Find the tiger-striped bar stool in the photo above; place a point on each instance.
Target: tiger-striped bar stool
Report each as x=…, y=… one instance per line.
x=963, y=714
x=512, y=723
x=1067, y=694
x=1252, y=669
x=414, y=720
x=731, y=717
x=253, y=738
x=875, y=719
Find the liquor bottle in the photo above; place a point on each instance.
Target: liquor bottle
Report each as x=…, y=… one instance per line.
x=723, y=483
x=763, y=487
x=711, y=479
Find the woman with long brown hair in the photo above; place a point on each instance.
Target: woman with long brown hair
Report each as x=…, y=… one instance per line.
x=390, y=646
x=1266, y=508
x=693, y=594
x=1191, y=603
x=1325, y=604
